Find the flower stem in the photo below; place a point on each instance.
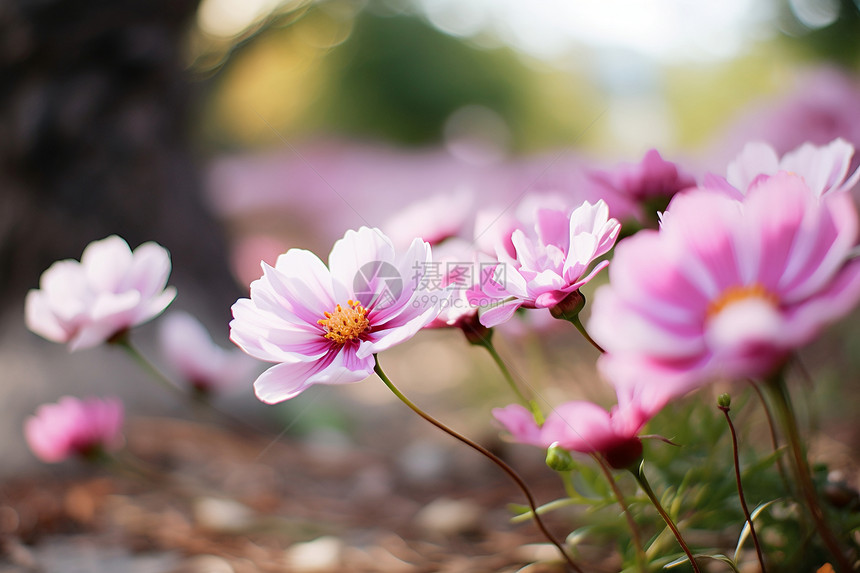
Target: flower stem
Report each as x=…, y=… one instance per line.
x=725, y=410
x=773, y=437
x=579, y=326
x=641, y=561
x=531, y=404
x=782, y=400
x=196, y=400
x=486, y=453
x=646, y=487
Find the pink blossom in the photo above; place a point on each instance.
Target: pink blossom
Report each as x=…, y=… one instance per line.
x=580, y=426
x=189, y=350
x=434, y=219
x=323, y=325
x=823, y=168
x=74, y=427
x=454, y=270
x=725, y=289
x=111, y=289
x=547, y=264
x=652, y=179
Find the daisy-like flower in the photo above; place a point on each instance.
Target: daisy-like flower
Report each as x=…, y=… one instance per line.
x=110, y=290
x=645, y=187
x=323, y=325
x=823, y=168
x=75, y=427
x=189, y=350
x=726, y=288
x=548, y=264
x=580, y=426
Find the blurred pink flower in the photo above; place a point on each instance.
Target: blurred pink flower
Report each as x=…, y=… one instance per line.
x=547, y=264
x=453, y=271
x=75, y=427
x=434, y=219
x=726, y=288
x=823, y=168
x=638, y=184
x=324, y=325
x=111, y=289
x=189, y=350
x=580, y=426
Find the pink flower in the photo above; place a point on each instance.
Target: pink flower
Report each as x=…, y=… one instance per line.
x=823, y=168
x=580, y=426
x=434, y=219
x=324, y=325
x=74, y=427
x=189, y=350
x=726, y=288
x=652, y=179
x=111, y=289
x=453, y=271
x=548, y=264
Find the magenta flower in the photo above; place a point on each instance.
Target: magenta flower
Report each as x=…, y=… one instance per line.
x=726, y=288
x=548, y=264
x=638, y=185
x=324, y=325
x=75, y=427
x=189, y=350
x=110, y=290
x=580, y=426
x=823, y=168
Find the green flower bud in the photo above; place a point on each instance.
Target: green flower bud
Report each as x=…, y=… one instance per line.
x=724, y=401
x=559, y=459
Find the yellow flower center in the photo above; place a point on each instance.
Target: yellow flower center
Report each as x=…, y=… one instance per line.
x=345, y=324
x=738, y=293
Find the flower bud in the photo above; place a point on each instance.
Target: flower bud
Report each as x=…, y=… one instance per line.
x=559, y=459
x=569, y=307
x=724, y=401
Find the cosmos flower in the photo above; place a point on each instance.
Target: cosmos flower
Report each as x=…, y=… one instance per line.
x=547, y=264
x=110, y=290
x=580, y=426
x=644, y=187
x=75, y=427
x=726, y=288
x=823, y=168
x=323, y=325
x=189, y=350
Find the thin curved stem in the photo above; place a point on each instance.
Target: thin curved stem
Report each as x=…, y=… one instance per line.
x=196, y=401
x=725, y=410
x=646, y=487
x=581, y=328
x=773, y=437
x=506, y=373
x=780, y=395
x=641, y=560
x=486, y=453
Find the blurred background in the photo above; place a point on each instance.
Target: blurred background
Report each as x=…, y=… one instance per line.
x=231, y=130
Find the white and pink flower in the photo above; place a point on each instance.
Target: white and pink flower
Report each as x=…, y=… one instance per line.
x=189, y=350
x=825, y=169
x=548, y=263
x=726, y=288
x=110, y=290
x=323, y=325
x=74, y=427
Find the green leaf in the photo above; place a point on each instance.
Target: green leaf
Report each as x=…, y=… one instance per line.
x=745, y=532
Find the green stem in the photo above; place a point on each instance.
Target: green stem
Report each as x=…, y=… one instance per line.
x=531, y=404
x=782, y=400
x=634, y=529
x=773, y=438
x=646, y=487
x=196, y=401
x=579, y=326
x=486, y=453
x=725, y=410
